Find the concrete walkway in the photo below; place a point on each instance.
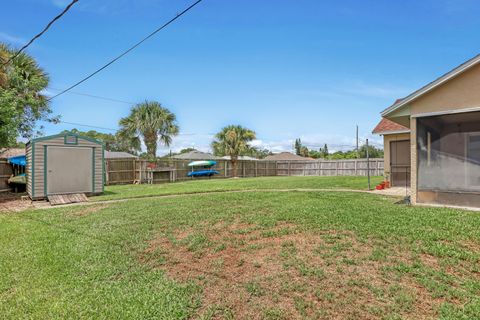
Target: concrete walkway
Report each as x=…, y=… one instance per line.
x=46, y=205
x=394, y=192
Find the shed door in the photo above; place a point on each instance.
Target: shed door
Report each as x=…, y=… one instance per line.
x=400, y=163
x=69, y=170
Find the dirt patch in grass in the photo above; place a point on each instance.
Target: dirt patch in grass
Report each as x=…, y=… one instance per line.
x=14, y=205
x=282, y=272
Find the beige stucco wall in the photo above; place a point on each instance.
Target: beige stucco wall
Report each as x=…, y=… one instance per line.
x=459, y=93
x=386, y=150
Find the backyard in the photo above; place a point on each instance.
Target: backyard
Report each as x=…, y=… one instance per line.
x=243, y=249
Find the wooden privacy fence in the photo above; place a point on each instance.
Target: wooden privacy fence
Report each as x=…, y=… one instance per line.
x=5, y=173
x=123, y=171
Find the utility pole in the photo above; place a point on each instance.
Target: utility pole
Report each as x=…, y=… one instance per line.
x=356, y=149
x=368, y=167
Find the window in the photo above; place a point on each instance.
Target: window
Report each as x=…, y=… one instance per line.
x=71, y=139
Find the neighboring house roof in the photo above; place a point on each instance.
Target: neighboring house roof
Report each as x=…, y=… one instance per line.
x=118, y=155
x=240, y=158
x=196, y=155
x=386, y=126
x=11, y=152
x=432, y=85
x=286, y=156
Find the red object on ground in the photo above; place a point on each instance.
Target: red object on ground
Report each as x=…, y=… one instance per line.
x=152, y=165
x=380, y=187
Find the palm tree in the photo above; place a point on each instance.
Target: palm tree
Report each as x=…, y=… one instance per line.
x=150, y=121
x=233, y=141
x=22, y=83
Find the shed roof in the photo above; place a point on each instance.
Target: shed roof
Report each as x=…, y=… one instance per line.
x=196, y=155
x=65, y=135
x=118, y=155
x=286, y=156
x=386, y=126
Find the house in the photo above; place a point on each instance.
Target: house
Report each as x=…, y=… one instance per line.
x=286, y=156
x=437, y=127
x=196, y=155
x=119, y=155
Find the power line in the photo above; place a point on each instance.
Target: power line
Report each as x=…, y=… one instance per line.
x=42, y=32
x=111, y=129
x=95, y=96
x=128, y=50
x=87, y=125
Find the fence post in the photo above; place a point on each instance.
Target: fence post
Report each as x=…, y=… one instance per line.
x=368, y=166
x=243, y=168
x=134, y=170
x=107, y=169
x=355, y=161
x=288, y=170
x=256, y=173
x=226, y=168
x=336, y=168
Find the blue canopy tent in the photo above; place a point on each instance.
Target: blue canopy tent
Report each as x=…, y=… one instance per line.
x=18, y=160
x=19, y=178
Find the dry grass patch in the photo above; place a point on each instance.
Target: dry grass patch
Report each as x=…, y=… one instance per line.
x=282, y=272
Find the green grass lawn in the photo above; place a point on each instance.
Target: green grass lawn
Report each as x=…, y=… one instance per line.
x=268, y=255
x=216, y=185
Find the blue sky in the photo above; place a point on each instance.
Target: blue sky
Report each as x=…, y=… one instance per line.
x=286, y=69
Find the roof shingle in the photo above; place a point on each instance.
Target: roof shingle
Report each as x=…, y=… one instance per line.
x=286, y=156
x=386, y=126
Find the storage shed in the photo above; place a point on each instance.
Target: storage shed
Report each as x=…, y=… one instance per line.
x=63, y=164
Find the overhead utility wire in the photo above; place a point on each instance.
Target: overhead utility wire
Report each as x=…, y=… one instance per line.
x=111, y=129
x=95, y=96
x=41, y=33
x=128, y=50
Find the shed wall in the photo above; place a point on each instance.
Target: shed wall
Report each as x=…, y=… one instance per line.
x=28, y=168
x=37, y=181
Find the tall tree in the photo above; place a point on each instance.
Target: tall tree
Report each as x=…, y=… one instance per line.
x=151, y=122
x=298, y=146
x=324, y=151
x=3, y=67
x=304, y=152
x=233, y=141
x=22, y=102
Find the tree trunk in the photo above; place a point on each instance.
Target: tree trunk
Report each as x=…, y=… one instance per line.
x=151, y=144
x=234, y=167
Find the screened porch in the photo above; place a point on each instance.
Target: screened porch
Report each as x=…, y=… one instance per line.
x=448, y=155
